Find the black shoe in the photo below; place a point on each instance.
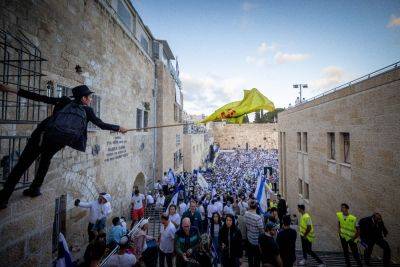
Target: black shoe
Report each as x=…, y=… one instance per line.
x=3, y=205
x=32, y=192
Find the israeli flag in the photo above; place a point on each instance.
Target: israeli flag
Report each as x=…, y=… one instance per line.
x=261, y=195
x=65, y=258
x=174, y=201
x=171, y=176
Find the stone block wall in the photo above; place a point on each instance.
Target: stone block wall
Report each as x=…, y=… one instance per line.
x=370, y=112
x=255, y=135
x=87, y=34
x=167, y=142
x=196, y=148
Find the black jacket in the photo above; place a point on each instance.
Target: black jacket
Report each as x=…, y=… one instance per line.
x=233, y=247
x=370, y=230
x=60, y=103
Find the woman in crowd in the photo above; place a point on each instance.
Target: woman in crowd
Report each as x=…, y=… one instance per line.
x=145, y=246
x=214, y=229
x=174, y=217
x=230, y=243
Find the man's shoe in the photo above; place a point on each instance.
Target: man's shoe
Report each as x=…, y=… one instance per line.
x=321, y=265
x=32, y=192
x=302, y=262
x=3, y=205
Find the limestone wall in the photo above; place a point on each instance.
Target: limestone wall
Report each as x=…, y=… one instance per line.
x=255, y=135
x=196, y=148
x=370, y=112
x=84, y=33
x=169, y=139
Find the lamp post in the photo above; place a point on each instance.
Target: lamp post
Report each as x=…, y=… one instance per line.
x=300, y=86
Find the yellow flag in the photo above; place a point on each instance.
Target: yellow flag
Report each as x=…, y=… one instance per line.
x=234, y=112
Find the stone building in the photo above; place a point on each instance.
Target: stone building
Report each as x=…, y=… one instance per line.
x=245, y=136
x=169, y=112
x=106, y=45
x=344, y=147
x=197, y=140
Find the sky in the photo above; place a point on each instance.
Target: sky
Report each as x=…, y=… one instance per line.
x=224, y=47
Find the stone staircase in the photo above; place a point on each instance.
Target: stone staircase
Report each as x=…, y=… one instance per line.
x=331, y=259
x=154, y=221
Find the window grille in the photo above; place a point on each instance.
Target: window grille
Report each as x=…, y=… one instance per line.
x=20, y=67
x=346, y=147
x=11, y=148
x=125, y=15
x=139, y=118
x=331, y=146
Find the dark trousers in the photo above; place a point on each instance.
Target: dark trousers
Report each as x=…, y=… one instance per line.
x=91, y=234
x=33, y=149
x=307, y=249
x=253, y=255
x=354, y=250
x=230, y=262
x=162, y=256
x=386, y=250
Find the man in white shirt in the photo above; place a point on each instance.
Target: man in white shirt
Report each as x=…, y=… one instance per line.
x=166, y=240
x=160, y=201
x=158, y=186
x=211, y=209
x=138, y=205
x=100, y=209
x=149, y=200
x=219, y=205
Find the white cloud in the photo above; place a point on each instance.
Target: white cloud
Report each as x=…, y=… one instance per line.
x=202, y=95
x=281, y=58
x=259, y=61
x=264, y=47
x=248, y=6
x=332, y=76
x=394, y=22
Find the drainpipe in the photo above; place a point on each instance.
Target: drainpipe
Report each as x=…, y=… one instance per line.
x=155, y=92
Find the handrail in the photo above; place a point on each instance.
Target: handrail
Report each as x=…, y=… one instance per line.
x=357, y=80
x=134, y=230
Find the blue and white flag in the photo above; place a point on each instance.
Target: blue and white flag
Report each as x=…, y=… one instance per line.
x=171, y=177
x=65, y=258
x=260, y=194
x=174, y=201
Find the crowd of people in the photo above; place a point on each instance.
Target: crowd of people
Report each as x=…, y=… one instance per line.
x=220, y=222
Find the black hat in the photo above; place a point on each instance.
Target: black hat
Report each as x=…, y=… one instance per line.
x=80, y=91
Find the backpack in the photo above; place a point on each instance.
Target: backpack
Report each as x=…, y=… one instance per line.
x=67, y=125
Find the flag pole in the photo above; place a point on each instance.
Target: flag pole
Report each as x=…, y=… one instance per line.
x=160, y=126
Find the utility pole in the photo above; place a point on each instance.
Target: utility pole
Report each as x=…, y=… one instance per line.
x=300, y=86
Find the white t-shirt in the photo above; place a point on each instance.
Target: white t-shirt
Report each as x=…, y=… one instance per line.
x=202, y=212
x=137, y=201
x=150, y=199
x=160, y=201
x=97, y=210
x=211, y=209
x=176, y=219
x=219, y=207
x=228, y=210
x=167, y=235
x=124, y=260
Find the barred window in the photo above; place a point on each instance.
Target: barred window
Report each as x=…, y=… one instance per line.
x=95, y=105
x=331, y=146
x=145, y=119
x=346, y=147
x=139, y=118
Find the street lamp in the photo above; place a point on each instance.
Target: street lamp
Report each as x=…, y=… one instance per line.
x=300, y=86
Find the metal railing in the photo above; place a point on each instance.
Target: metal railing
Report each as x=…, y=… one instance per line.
x=388, y=68
x=21, y=66
x=11, y=148
x=131, y=233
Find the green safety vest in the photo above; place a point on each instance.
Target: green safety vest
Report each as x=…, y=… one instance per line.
x=303, y=226
x=347, y=226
